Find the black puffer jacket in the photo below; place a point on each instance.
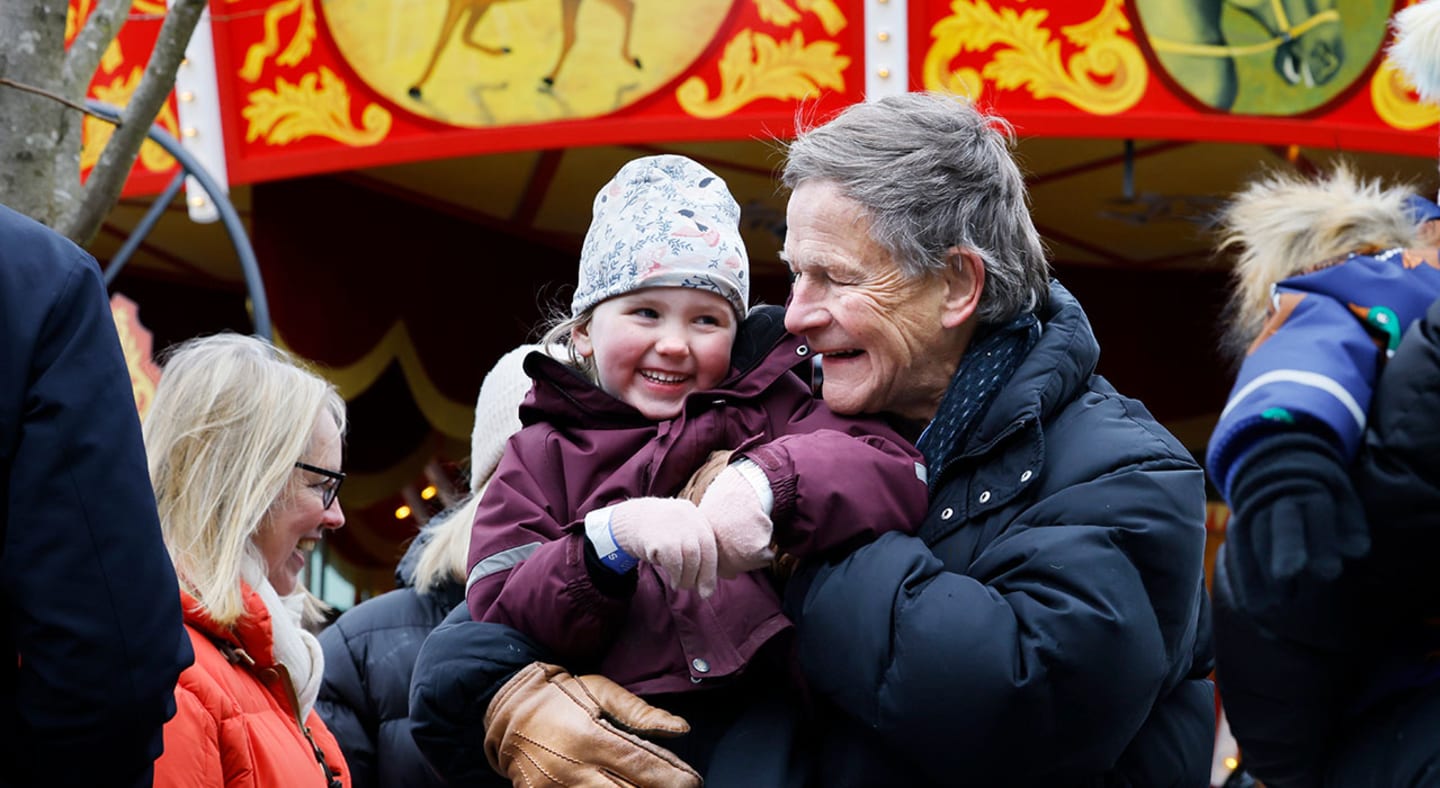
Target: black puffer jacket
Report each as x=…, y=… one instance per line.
x=369, y=658
x=1346, y=714
x=1048, y=625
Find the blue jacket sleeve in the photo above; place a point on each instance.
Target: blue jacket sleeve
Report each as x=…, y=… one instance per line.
x=90, y=596
x=461, y=666
x=1044, y=654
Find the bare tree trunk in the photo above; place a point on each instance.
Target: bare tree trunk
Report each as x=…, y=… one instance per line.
x=81, y=219
x=32, y=138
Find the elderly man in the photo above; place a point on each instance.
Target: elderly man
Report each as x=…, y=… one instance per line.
x=1047, y=624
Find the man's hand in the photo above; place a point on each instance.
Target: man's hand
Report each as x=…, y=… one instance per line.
x=700, y=481
x=546, y=727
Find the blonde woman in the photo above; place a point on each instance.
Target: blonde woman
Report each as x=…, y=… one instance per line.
x=244, y=447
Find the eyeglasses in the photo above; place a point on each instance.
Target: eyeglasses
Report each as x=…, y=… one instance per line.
x=332, y=483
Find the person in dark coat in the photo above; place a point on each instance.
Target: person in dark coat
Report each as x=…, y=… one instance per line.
x=1324, y=603
x=370, y=649
x=1047, y=624
x=1328, y=278
x=92, y=630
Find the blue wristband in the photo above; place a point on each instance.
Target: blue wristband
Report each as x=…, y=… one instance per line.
x=601, y=534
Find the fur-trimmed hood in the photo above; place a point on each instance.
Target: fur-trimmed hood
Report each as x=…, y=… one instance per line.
x=1285, y=224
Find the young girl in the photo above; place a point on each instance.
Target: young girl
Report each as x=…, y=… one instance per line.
x=577, y=542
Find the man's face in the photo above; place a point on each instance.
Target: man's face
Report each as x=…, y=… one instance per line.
x=881, y=333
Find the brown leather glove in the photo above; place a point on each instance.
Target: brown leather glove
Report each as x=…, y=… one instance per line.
x=694, y=489
x=546, y=727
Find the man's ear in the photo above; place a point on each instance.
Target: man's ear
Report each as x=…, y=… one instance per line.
x=964, y=279
x=580, y=340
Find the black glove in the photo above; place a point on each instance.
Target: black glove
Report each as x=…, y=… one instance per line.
x=1296, y=519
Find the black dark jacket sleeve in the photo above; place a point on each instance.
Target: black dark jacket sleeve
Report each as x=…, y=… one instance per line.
x=1398, y=472
x=461, y=666
x=91, y=605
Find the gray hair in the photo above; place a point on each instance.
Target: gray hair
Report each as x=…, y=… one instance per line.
x=933, y=172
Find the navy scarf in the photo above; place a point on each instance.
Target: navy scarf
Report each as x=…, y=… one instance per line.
x=993, y=356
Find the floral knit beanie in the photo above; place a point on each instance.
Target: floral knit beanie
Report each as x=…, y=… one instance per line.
x=663, y=221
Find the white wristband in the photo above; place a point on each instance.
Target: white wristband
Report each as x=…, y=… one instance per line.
x=601, y=534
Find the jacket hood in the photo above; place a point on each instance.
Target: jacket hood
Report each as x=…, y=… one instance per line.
x=761, y=354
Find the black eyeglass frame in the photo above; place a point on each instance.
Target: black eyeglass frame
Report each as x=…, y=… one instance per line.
x=331, y=492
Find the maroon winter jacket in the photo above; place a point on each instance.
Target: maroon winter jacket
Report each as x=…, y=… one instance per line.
x=837, y=481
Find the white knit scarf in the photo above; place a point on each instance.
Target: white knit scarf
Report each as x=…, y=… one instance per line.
x=295, y=648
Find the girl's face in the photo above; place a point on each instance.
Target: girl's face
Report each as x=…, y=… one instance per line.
x=296, y=523
x=652, y=347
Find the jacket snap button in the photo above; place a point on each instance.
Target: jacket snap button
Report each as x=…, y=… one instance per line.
x=984, y=496
x=1025, y=477
x=803, y=350
x=700, y=665
x=947, y=514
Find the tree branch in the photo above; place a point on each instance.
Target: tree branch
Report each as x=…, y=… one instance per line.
x=83, y=56
x=82, y=220
x=47, y=94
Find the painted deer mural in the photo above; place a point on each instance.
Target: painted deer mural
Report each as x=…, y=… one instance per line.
x=472, y=11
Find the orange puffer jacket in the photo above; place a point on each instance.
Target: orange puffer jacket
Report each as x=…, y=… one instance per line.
x=235, y=724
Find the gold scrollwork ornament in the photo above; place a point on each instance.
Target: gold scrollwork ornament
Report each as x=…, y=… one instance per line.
x=1106, y=76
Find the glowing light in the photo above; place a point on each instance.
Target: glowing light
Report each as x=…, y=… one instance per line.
x=1232, y=763
x=428, y=492
x=186, y=95
x=883, y=36
x=883, y=73
x=402, y=513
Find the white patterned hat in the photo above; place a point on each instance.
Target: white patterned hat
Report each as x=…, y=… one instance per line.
x=663, y=221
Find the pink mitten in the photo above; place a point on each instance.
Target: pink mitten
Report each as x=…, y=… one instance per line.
x=743, y=531
x=671, y=534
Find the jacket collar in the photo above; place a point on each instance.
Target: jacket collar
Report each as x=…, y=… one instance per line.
x=1061, y=362
x=252, y=632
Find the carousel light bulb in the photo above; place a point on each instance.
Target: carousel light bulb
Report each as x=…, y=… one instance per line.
x=883, y=35
x=402, y=512
x=429, y=492
x=186, y=95
x=883, y=72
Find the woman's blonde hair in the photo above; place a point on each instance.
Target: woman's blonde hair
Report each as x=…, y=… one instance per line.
x=231, y=417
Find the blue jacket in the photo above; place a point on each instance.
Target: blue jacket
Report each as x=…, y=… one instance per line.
x=91, y=613
x=1307, y=716
x=1048, y=625
x=1315, y=366
x=365, y=695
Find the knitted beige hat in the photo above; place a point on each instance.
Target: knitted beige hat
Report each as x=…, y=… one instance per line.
x=663, y=221
x=497, y=410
